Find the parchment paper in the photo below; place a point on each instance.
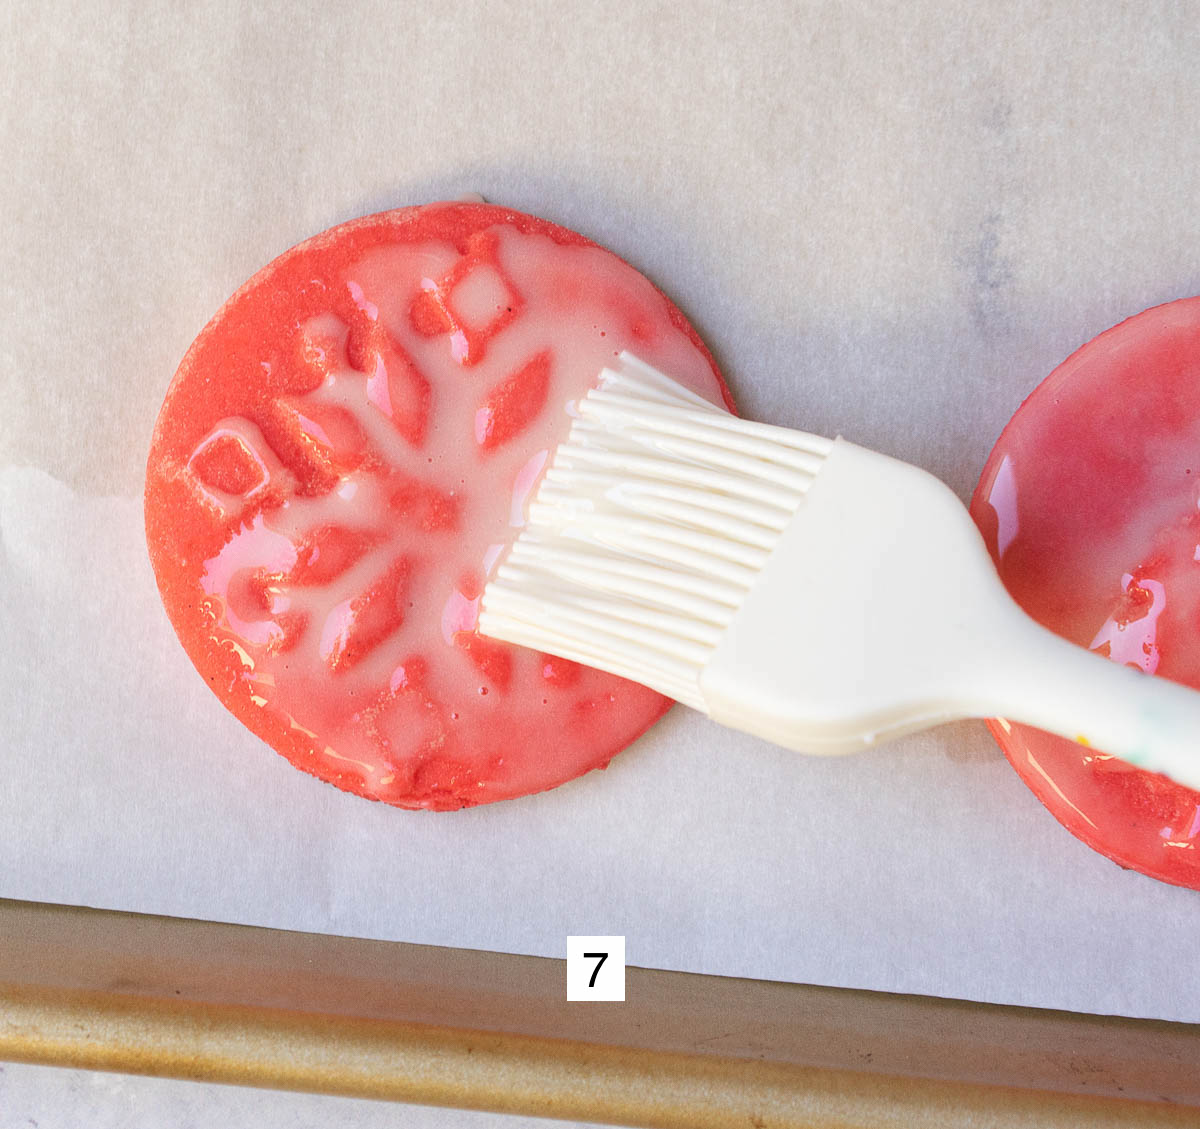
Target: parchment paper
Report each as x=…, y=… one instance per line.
x=888, y=221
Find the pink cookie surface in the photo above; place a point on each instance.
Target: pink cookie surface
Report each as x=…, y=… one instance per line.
x=343, y=454
x=1090, y=505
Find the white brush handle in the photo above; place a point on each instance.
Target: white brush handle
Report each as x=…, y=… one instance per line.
x=1039, y=679
x=900, y=622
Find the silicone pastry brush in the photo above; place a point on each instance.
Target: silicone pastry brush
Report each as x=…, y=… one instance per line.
x=801, y=589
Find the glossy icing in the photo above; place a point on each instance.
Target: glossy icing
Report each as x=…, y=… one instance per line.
x=341, y=523
x=1090, y=504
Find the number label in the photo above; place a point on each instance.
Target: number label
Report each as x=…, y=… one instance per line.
x=596, y=968
x=600, y=958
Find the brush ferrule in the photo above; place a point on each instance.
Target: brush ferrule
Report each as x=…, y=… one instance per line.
x=657, y=514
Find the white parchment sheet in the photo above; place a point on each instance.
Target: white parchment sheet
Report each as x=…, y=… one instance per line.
x=888, y=221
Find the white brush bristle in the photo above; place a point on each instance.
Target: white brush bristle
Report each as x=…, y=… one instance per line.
x=652, y=522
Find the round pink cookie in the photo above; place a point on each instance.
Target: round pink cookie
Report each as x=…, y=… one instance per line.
x=1090, y=505
x=343, y=454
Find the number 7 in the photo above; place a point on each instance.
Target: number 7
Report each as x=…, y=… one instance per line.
x=596, y=971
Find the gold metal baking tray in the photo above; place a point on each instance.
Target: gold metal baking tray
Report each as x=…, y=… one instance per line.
x=261, y=1007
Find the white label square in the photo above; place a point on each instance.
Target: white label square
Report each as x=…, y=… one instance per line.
x=596, y=968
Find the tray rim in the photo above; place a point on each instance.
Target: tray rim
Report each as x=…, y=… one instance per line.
x=246, y=1005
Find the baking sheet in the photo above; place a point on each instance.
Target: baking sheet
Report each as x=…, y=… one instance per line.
x=888, y=221
x=33, y=1095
